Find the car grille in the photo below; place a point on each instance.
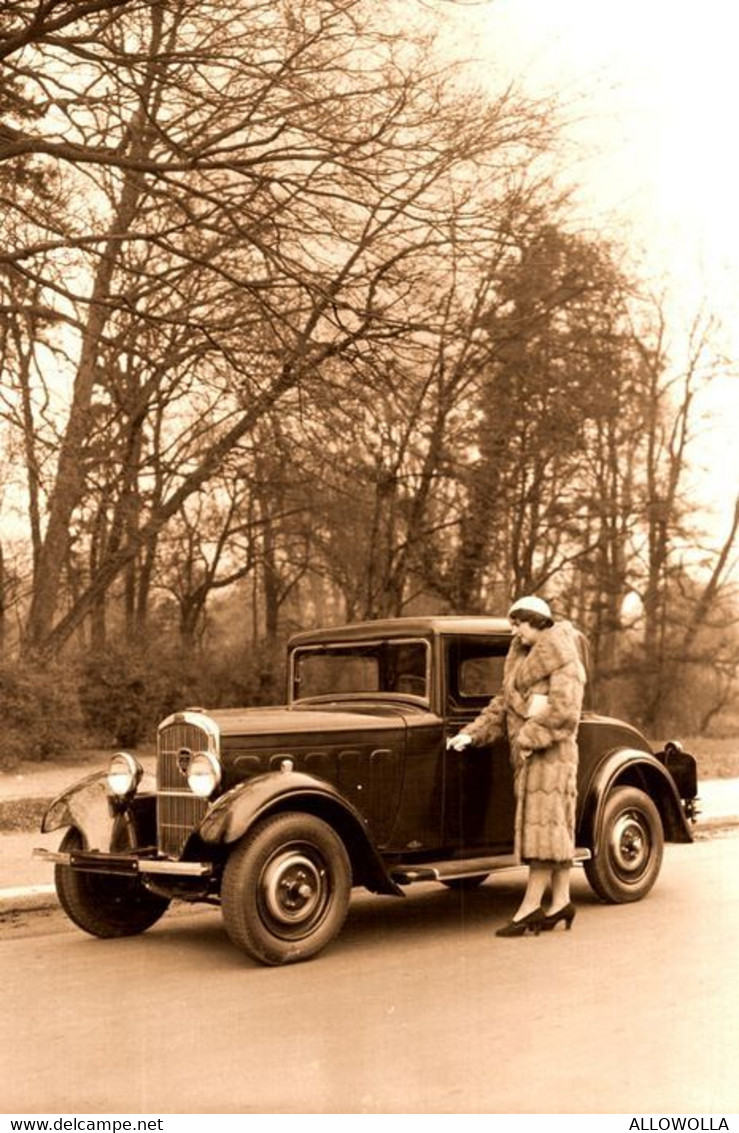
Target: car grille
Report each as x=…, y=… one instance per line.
x=178, y=809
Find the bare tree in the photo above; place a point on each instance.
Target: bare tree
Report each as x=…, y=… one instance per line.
x=279, y=165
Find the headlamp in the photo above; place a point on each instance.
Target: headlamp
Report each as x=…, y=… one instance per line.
x=203, y=774
x=124, y=774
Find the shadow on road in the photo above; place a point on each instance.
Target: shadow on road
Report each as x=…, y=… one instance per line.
x=435, y=909
x=427, y=914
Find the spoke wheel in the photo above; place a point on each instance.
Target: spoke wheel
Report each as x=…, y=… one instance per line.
x=286, y=889
x=631, y=846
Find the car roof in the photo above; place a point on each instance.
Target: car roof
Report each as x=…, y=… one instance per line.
x=404, y=627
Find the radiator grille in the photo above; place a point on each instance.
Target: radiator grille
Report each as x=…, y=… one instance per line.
x=178, y=809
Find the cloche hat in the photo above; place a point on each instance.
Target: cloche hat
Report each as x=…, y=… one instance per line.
x=530, y=604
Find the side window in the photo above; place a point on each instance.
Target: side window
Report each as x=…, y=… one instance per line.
x=480, y=676
x=475, y=671
x=406, y=667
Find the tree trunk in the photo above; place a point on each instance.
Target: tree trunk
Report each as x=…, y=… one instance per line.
x=3, y=604
x=71, y=468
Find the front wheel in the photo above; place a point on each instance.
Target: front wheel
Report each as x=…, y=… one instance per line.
x=102, y=904
x=631, y=843
x=286, y=889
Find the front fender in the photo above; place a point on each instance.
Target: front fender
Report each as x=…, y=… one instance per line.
x=236, y=812
x=89, y=806
x=629, y=767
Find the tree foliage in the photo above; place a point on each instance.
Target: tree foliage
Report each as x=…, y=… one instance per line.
x=296, y=327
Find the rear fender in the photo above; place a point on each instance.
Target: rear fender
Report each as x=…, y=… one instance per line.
x=627, y=767
x=238, y=810
x=89, y=806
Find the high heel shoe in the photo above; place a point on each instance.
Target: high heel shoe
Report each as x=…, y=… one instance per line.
x=533, y=922
x=566, y=914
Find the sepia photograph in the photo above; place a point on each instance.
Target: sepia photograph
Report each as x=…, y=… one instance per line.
x=369, y=563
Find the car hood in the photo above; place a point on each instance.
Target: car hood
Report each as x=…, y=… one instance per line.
x=302, y=719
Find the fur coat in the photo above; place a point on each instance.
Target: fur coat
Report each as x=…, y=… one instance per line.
x=543, y=739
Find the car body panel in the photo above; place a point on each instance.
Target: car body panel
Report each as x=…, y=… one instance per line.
x=628, y=767
x=89, y=807
x=85, y=805
x=360, y=754
x=237, y=811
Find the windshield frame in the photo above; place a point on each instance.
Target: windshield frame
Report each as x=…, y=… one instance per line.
x=348, y=647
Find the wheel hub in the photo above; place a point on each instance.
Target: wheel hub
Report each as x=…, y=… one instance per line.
x=630, y=843
x=293, y=887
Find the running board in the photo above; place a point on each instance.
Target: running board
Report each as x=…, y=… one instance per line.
x=468, y=867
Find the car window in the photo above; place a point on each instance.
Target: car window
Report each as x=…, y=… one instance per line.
x=405, y=667
x=481, y=676
x=337, y=671
x=475, y=670
x=383, y=666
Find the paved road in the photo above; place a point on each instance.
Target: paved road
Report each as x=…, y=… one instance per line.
x=416, y=1008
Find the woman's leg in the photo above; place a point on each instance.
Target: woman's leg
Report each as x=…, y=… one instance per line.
x=539, y=878
x=560, y=888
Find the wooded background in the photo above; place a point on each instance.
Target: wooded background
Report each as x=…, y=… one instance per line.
x=298, y=328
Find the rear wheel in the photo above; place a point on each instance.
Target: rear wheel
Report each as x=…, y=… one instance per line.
x=286, y=889
x=102, y=904
x=631, y=843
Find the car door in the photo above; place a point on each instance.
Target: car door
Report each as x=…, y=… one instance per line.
x=479, y=803
x=420, y=820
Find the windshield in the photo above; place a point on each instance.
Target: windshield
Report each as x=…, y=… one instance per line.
x=383, y=666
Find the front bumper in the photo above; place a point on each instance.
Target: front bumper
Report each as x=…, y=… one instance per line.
x=124, y=865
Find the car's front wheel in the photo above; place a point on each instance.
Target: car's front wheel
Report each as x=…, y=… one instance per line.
x=102, y=904
x=630, y=846
x=286, y=888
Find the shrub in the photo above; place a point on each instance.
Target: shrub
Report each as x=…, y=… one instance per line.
x=243, y=675
x=40, y=711
x=126, y=690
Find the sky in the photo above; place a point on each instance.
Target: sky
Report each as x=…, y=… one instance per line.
x=651, y=89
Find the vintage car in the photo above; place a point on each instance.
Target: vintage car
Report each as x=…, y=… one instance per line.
x=276, y=813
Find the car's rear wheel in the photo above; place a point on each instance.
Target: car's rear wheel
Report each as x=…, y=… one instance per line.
x=631, y=843
x=102, y=904
x=286, y=889
x=465, y=884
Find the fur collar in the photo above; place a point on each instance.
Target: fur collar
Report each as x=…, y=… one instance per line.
x=554, y=648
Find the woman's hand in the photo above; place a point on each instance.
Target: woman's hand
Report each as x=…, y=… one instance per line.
x=459, y=742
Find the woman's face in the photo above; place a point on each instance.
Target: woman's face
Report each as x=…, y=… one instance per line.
x=524, y=631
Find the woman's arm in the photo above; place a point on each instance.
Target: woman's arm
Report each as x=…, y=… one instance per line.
x=490, y=724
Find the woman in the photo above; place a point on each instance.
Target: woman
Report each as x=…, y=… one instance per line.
x=539, y=709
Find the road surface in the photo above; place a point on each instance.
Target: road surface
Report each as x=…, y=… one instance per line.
x=416, y=1008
